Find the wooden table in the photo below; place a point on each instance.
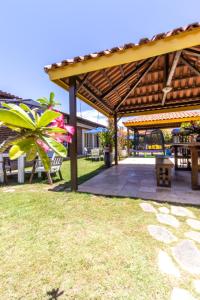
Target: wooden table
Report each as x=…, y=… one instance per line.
x=195, y=161
x=20, y=166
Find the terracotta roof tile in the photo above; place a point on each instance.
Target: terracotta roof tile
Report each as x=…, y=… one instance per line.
x=4, y=95
x=164, y=116
x=126, y=46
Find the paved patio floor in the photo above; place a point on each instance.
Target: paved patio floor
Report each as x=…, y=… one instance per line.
x=135, y=177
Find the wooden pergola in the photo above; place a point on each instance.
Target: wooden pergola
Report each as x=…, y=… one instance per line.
x=156, y=75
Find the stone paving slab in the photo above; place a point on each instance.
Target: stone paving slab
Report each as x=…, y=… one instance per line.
x=166, y=264
x=181, y=294
x=161, y=234
x=187, y=256
x=195, y=224
x=168, y=219
x=164, y=210
x=147, y=207
x=194, y=235
x=144, y=184
x=182, y=212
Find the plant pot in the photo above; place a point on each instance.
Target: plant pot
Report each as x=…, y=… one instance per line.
x=107, y=157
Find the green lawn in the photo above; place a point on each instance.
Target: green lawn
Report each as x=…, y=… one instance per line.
x=88, y=247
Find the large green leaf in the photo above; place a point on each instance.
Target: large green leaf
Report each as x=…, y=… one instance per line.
x=54, y=130
x=31, y=154
x=21, y=148
x=14, y=119
x=55, y=146
x=21, y=112
x=47, y=117
x=44, y=158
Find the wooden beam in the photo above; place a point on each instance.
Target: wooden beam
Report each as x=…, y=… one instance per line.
x=182, y=40
x=155, y=106
x=165, y=69
x=116, y=139
x=167, y=88
x=191, y=67
x=111, y=84
x=125, y=78
x=82, y=82
x=73, y=122
x=191, y=52
x=100, y=101
x=158, y=110
x=136, y=83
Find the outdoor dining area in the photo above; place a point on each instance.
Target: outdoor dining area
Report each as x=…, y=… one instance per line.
x=155, y=76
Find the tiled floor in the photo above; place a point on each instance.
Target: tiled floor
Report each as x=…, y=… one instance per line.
x=135, y=177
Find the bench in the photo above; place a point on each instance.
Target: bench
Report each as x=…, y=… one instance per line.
x=163, y=171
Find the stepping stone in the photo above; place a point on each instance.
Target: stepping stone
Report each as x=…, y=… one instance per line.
x=166, y=264
x=195, y=224
x=187, y=256
x=161, y=234
x=181, y=294
x=9, y=191
x=147, y=207
x=196, y=284
x=164, y=210
x=168, y=219
x=182, y=212
x=194, y=235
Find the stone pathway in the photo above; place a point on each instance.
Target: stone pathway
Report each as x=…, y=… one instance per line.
x=184, y=254
x=181, y=294
x=168, y=219
x=147, y=207
x=166, y=264
x=195, y=224
x=161, y=234
x=163, y=210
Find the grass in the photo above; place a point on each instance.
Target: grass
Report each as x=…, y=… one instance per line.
x=86, y=246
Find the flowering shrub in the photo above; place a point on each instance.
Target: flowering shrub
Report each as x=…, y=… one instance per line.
x=35, y=133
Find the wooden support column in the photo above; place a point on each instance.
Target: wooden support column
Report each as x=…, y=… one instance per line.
x=128, y=141
x=115, y=139
x=73, y=122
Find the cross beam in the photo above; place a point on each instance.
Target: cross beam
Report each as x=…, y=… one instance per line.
x=168, y=88
x=191, y=67
x=136, y=83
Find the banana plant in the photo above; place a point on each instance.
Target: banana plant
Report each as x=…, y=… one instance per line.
x=48, y=103
x=34, y=134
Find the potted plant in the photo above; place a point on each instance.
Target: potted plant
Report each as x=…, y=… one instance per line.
x=106, y=141
x=122, y=142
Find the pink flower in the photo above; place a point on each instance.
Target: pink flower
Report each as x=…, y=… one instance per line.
x=43, y=145
x=70, y=129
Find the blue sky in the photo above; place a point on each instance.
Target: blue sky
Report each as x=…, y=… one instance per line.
x=35, y=33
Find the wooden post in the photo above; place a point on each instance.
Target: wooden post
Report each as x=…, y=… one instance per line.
x=128, y=141
x=115, y=139
x=73, y=122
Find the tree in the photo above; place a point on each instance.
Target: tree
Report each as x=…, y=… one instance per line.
x=35, y=133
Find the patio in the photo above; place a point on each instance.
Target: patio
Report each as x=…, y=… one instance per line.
x=135, y=177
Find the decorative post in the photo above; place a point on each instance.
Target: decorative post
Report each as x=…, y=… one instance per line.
x=73, y=122
x=128, y=141
x=115, y=139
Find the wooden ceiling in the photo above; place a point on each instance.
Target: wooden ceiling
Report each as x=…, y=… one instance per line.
x=166, y=82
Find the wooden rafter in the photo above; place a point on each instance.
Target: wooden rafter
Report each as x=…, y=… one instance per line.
x=99, y=100
x=110, y=83
x=149, y=66
x=168, y=88
x=186, y=101
x=192, y=52
x=192, y=67
x=125, y=78
x=82, y=82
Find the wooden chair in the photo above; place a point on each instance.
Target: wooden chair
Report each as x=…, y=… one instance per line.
x=3, y=173
x=56, y=163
